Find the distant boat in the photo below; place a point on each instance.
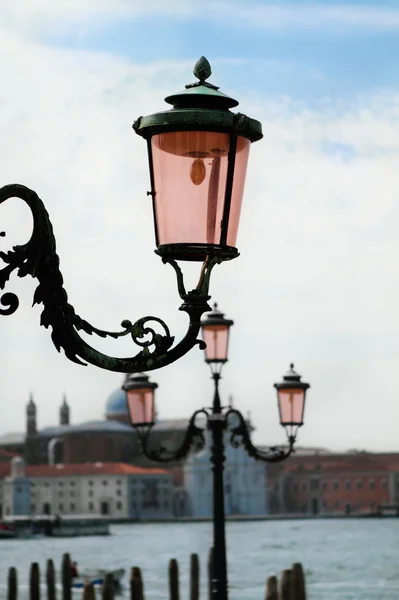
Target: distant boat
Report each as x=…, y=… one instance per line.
x=97, y=577
x=7, y=531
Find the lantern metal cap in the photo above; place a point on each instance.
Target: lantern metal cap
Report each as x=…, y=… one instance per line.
x=199, y=107
x=137, y=381
x=215, y=317
x=201, y=94
x=292, y=379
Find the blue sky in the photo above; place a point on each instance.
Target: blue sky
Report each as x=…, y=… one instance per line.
x=316, y=55
x=317, y=281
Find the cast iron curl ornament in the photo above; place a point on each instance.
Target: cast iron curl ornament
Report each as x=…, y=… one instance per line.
x=38, y=258
x=186, y=134
x=194, y=436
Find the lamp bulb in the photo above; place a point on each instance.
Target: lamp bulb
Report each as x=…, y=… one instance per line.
x=197, y=171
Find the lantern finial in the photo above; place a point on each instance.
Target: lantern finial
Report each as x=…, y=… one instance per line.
x=202, y=69
x=292, y=366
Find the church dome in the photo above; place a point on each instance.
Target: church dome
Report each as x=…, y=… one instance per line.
x=116, y=404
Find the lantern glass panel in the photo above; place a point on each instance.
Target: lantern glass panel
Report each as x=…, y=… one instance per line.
x=190, y=172
x=216, y=338
x=292, y=402
x=141, y=406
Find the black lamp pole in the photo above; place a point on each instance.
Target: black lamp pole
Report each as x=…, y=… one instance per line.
x=217, y=426
x=219, y=419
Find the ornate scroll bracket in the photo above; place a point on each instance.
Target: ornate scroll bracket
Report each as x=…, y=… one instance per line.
x=163, y=454
x=38, y=258
x=240, y=436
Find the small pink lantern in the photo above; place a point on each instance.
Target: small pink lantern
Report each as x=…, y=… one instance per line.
x=140, y=392
x=291, y=393
x=215, y=332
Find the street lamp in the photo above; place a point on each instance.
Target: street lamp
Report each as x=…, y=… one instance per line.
x=218, y=419
x=197, y=152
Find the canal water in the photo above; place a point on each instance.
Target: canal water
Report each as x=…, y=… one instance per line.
x=345, y=559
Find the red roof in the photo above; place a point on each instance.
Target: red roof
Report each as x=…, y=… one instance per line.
x=97, y=468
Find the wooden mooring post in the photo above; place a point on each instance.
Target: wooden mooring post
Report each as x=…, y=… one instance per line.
x=89, y=593
x=272, y=588
x=34, y=582
x=12, y=591
x=108, y=588
x=173, y=572
x=194, y=577
x=66, y=577
x=50, y=580
x=136, y=584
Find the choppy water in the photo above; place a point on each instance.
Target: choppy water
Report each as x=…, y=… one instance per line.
x=345, y=559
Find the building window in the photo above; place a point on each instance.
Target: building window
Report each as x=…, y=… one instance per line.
x=348, y=484
x=359, y=484
x=304, y=486
x=46, y=484
x=295, y=486
x=324, y=485
x=336, y=504
x=33, y=508
x=336, y=484
x=105, y=482
x=118, y=493
x=119, y=505
x=371, y=484
x=118, y=482
x=72, y=506
x=60, y=483
x=91, y=506
x=61, y=507
x=90, y=483
x=314, y=484
x=384, y=484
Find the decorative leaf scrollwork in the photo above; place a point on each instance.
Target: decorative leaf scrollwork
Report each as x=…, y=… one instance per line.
x=38, y=258
x=240, y=436
x=10, y=300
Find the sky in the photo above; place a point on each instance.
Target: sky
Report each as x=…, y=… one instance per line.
x=317, y=280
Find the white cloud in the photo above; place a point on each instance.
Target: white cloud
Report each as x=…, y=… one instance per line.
x=317, y=281
x=38, y=15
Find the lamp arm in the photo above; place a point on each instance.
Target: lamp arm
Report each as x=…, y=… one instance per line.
x=271, y=454
x=165, y=455
x=38, y=258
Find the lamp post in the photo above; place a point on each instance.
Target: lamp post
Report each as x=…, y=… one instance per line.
x=219, y=419
x=197, y=153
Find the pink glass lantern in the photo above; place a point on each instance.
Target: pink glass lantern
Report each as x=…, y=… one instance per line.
x=192, y=211
x=198, y=154
x=215, y=333
x=140, y=398
x=291, y=393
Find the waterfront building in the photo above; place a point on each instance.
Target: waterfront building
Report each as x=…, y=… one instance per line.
x=111, y=439
x=317, y=483
x=244, y=478
x=115, y=490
